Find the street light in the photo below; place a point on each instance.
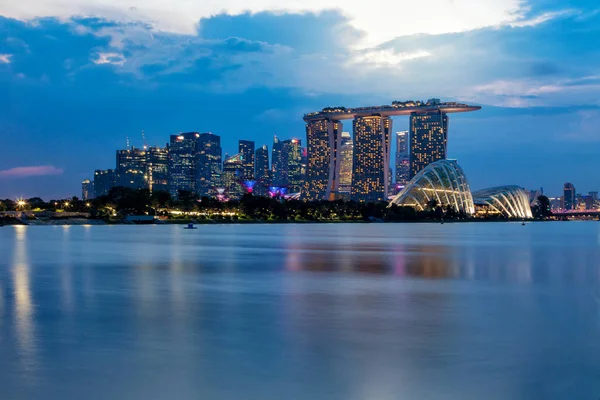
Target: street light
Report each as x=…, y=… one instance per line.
x=66, y=204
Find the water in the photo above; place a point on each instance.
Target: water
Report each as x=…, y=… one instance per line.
x=337, y=311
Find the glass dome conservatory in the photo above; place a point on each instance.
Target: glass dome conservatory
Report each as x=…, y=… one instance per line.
x=443, y=181
x=510, y=201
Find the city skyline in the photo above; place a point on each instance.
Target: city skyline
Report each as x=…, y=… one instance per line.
x=78, y=86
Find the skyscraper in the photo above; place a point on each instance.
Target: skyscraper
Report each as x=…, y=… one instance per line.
x=569, y=196
x=183, y=162
x=346, y=154
x=209, y=163
x=261, y=163
x=292, y=159
x=233, y=170
x=157, y=164
x=402, y=158
x=87, y=190
x=323, y=138
x=279, y=174
x=428, y=139
x=246, y=149
x=371, y=158
x=104, y=180
x=131, y=168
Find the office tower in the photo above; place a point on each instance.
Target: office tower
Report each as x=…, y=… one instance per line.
x=346, y=154
x=292, y=158
x=104, y=180
x=246, y=149
x=157, y=164
x=371, y=158
x=428, y=139
x=183, y=162
x=323, y=138
x=87, y=190
x=402, y=158
x=209, y=164
x=131, y=168
x=279, y=174
x=233, y=170
x=261, y=163
x=569, y=196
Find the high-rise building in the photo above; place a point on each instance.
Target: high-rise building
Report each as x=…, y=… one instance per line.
x=402, y=158
x=183, y=162
x=87, y=190
x=233, y=171
x=569, y=196
x=131, y=168
x=279, y=174
x=371, y=158
x=246, y=149
x=157, y=164
x=324, y=143
x=428, y=139
x=104, y=180
x=292, y=159
x=262, y=172
x=346, y=154
x=209, y=163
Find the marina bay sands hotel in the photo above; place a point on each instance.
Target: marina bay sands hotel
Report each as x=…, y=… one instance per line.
x=372, y=128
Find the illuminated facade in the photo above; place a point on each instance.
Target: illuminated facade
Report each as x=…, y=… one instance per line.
x=232, y=176
x=183, y=162
x=104, y=180
x=262, y=172
x=510, y=201
x=278, y=163
x=428, y=139
x=131, y=168
x=208, y=173
x=157, y=165
x=292, y=156
x=444, y=182
x=87, y=190
x=371, y=158
x=346, y=154
x=246, y=149
x=402, y=158
x=323, y=163
x=569, y=197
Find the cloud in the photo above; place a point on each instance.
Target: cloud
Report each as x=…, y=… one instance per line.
x=26, y=172
x=5, y=58
x=109, y=58
x=380, y=20
x=387, y=57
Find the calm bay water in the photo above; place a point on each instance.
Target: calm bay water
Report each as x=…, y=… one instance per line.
x=336, y=311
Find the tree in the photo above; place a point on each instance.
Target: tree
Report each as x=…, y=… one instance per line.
x=542, y=208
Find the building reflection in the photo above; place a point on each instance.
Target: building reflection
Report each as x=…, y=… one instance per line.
x=23, y=306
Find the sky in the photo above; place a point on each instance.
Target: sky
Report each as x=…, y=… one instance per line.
x=77, y=77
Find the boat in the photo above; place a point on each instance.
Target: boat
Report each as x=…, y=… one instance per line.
x=190, y=226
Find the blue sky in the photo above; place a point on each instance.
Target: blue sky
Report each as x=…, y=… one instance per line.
x=77, y=77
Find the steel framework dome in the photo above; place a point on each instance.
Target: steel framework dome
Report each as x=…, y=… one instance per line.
x=443, y=181
x=510, y=201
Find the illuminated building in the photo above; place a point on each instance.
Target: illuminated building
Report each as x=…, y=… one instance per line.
x=104, y=180
x=428, y=139
x=262, y=172
x=183, y=162
x=442, y=182
x=322, y=171
x=371, y=158
x=508, y=201
x=157, y=165
x=402, y=158
x=346, y=154
x=246, y=149
x=569, y=196
x=292, y=155
x=131, y=168
x=209, y=163
x=87, y=190
x=278, y=163
x=233, y=169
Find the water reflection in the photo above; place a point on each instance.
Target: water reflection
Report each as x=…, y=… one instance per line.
x=23, y=307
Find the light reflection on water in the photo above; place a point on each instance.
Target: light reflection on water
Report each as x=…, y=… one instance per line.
x=333, y=311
